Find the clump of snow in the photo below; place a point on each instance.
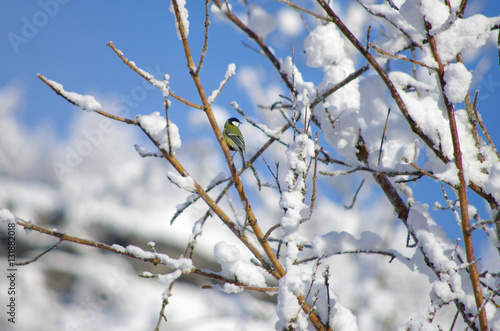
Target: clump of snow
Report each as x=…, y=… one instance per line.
x=343, y=319
x=260, y=21
x=432, y=119
x=441, y=293
x=186, y=183
x=228, y=257
x=434, y=12
x=85, y=102
x=183, y=264
x=403, y=80
x=156, y=126
x=457, y=79
x=231, y=70
x=291, y=201
x=404, y=19
x=298, y=151
x=167, y=279
x=183, y=13
x=118, y=248
x=324, y=46
x=288, y=309
x=232, y=288
x=472, y=32
x=289, y=22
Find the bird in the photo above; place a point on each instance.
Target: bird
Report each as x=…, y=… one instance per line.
x=233, y=137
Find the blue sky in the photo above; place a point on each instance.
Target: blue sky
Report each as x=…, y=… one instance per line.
x=66, y=41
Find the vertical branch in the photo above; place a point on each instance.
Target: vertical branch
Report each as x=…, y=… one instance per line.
x=205, y=42
x=462, y=190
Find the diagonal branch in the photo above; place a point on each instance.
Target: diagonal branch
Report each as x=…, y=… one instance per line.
x=250, y=216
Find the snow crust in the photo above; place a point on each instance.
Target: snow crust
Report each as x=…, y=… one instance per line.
x=85, y=102
x=184, y=14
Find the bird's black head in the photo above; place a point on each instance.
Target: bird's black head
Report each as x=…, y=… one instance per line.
x=234, y=121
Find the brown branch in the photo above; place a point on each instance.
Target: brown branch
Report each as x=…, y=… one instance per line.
x=383, y=136
x=205, y=41
x=174, y=162
x=462, y=189
x=101, y=112
x=250, y=216
x=485, y=131
x=385, y=78
x=402, y=58
x=402, y=211
x=64, y=237
x=143, y=75
x=39, y=255
x=338, y=86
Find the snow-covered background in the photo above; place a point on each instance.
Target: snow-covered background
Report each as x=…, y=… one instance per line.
x=80, y=173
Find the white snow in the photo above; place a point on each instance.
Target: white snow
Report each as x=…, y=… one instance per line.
x=167, y=279
x=231, y=71
x=324, y=46
x=232, y=288
x=6, y=216
x=233, y=268
x=457, y=79
x=156, y=126
x=471, y=32
x=187, y=183
x=163, y=86
x=182, y=264
x=181, y=4
x=85, y=102
x=131, y=197
x=434, y=12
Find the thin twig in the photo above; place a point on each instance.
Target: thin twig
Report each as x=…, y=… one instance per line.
x=205, y=41
x=39, y=255
x=101, y=112
x=402, y=58
x=383, y=136
x=355, y=196
x=339, y=85
x=142, y=73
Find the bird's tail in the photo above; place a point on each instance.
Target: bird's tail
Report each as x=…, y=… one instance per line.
x=242, y=157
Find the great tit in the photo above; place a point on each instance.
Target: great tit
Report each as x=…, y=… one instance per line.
x=233, y=137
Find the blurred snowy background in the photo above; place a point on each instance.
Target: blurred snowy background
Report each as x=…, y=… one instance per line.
x=80, y=173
